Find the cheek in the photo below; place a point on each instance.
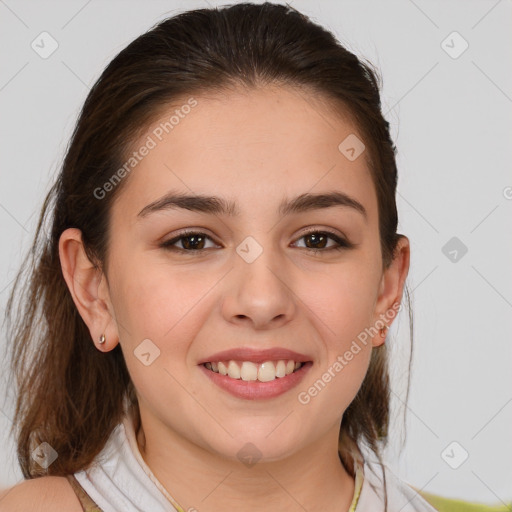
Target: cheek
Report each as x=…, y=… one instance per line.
x=343, y=304
x=344, y=301
x=152, y=297
x=158, y=314
x=166, y=305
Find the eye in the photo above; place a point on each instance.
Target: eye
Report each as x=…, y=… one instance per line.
x=194, y=242
x=191, y=241
x=317, y=241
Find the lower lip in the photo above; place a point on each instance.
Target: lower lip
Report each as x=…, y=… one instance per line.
x=254, y=389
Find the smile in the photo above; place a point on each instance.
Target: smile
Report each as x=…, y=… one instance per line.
x=249, y=371
x=251, y=381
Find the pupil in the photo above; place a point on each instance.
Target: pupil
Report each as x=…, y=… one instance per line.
x=315, y=236
x=194, y=239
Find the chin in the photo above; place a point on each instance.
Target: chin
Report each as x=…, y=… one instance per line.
x=266, y=445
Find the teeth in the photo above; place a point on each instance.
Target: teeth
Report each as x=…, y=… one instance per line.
x=250, y=371
x=280, y=369
x=222, y=368
x=267, y=372
x=233, y=370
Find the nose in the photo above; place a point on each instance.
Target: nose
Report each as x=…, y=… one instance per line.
x=258, y=294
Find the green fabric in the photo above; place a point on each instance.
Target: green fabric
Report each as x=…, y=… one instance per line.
x=443, y=504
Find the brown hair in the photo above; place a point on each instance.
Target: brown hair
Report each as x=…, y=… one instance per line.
x=69, y=393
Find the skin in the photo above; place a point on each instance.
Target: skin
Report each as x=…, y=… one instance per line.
x=256, y=148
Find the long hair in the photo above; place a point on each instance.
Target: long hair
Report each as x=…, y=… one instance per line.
x=69, y=394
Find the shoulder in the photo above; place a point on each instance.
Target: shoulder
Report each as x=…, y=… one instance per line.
x=42, y=494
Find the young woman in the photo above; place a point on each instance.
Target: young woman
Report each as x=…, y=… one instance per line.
x=204, y=323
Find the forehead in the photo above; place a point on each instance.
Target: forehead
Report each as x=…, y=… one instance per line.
x=254, y=146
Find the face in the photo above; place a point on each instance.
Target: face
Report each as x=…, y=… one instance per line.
x=248, y=277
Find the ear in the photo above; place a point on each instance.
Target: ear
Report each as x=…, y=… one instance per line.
x=89, y=289
x=391, y=288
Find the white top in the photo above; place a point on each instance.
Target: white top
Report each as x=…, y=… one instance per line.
x=120, y=480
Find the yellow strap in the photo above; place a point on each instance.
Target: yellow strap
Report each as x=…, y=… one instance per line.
x=358, y=486
x=88, y=505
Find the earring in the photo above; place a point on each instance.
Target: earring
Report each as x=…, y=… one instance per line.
x=102, y=338
x=385, y=329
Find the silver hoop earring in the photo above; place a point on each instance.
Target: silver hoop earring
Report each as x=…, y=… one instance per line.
x=102, y=338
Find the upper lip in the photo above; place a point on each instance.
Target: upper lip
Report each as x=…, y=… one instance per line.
x=256, y=355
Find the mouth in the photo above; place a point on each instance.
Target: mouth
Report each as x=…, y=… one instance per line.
x=256, y=381
x=250, y=371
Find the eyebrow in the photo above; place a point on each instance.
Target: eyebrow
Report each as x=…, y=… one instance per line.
x=219, y=206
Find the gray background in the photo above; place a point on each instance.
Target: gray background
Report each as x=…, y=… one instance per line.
x=451, y=122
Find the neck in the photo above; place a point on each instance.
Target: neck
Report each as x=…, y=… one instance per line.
x=312, y=479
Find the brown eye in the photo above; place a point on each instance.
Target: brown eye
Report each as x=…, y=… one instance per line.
x=317, y=241
x=190, y=242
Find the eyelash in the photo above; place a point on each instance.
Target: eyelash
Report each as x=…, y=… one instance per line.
x=342, y=243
